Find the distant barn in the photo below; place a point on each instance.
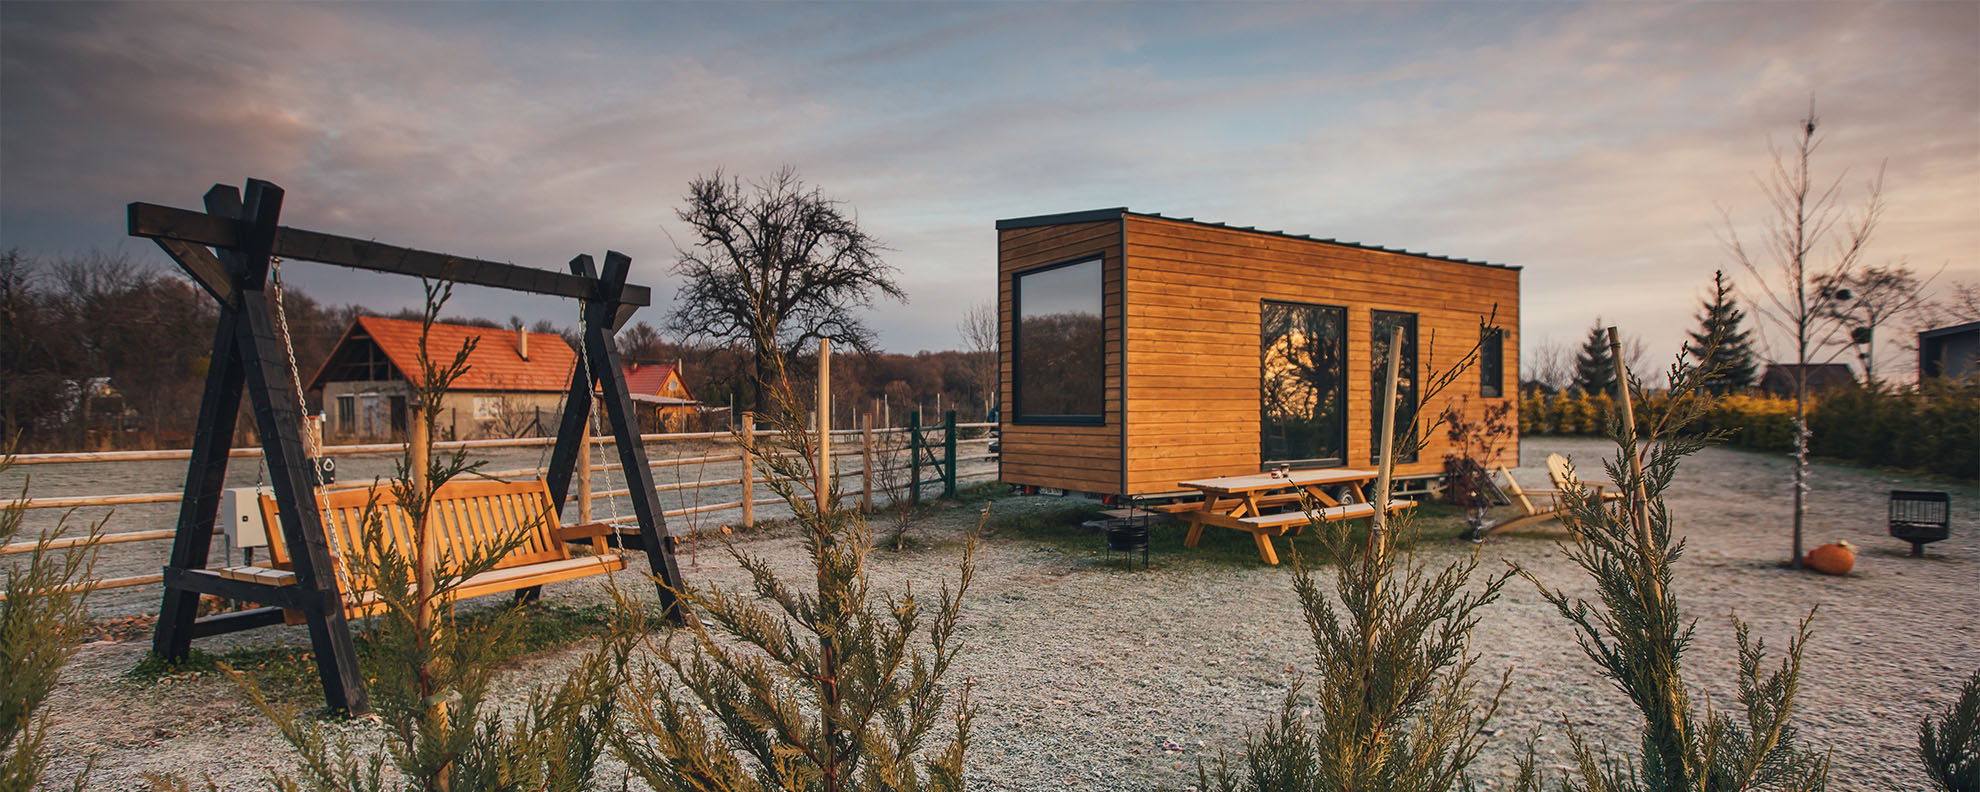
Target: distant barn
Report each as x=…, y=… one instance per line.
x=1951, y=352
x=515, y=384
x=1778, y=381
x=1140, y=351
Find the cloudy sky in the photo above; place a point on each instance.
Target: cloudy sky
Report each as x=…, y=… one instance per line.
x=1595, y=146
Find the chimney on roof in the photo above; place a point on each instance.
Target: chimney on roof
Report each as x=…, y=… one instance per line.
x=522, y=342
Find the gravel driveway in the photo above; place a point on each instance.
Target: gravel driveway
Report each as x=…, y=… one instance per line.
x=1095, y=676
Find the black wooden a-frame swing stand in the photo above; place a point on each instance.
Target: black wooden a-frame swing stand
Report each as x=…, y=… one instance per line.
x=226, y=250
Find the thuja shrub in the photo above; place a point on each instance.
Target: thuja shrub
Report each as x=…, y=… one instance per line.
x=42, y=617
x=1637, y=635
x=1927, y=428
x=1757, y=422
x=1950, y=745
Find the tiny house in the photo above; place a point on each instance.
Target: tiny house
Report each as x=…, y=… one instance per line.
x=1139, y=351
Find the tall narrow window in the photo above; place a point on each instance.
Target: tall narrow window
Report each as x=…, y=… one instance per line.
x=1302, y=387
x=1058, y=350
x=346, y=415
x=1492, y=363
x=1383, y=326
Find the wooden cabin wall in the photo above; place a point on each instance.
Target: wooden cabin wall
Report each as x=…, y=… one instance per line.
x=1082, y=458
x=1192, y=340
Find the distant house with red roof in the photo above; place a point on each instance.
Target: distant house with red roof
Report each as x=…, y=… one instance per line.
x=515, y=384
x=660, y=397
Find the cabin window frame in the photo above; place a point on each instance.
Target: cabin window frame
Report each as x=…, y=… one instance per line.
x=346, y=414
x=1018, y=415
x=1340, y=428
x=1492, y=363
x=1409, y=362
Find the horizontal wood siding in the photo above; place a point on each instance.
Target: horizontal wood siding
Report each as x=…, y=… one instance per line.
x=1192, y=339
x=1079, y=458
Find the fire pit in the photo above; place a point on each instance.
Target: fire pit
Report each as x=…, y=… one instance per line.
x=1920, y=518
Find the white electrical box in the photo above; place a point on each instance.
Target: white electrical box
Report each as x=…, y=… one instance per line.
x=240, y=516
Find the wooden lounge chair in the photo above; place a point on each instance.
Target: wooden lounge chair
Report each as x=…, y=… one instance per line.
x=1561, y=473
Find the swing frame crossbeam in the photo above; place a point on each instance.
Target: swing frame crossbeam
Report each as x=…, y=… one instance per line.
x=227, y=250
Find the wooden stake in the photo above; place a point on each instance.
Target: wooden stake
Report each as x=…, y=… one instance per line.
x=823, y=491
x=1640, y=507
x=866, y=463
x=749, y=469
x=1379, y=541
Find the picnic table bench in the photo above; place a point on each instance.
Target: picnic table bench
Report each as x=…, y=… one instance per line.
x=1240, y=503
x=470, y=518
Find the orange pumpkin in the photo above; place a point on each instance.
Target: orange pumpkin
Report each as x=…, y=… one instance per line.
x=1832, y=559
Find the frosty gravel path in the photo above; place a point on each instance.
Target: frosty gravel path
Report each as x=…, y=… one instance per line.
x=1092, y=676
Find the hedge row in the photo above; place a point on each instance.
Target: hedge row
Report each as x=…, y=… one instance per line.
x=1935, y=427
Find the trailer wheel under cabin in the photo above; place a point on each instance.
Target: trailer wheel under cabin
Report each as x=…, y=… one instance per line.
x=1139, y=351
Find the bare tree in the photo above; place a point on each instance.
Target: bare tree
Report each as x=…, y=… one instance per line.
x=1790, y=269
x=1551, y=364
x=979, y=334
x=775, y=264
x=1864, y=300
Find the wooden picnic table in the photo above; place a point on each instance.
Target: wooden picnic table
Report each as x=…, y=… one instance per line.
x=1240, y=503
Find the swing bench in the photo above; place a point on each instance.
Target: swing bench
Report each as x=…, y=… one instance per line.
x=472, y=518
x=230, y=251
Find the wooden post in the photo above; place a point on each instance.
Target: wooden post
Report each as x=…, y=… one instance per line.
x=866, y=463
x=584, y=476
x=1378, y=542
x=1640, y=509
x=748, y=469
x=823, y=491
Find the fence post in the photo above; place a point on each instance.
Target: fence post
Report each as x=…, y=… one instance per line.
x=822, y=421
x=749, y=469
x=914, y=456
x=949, y=453
x=866, y=464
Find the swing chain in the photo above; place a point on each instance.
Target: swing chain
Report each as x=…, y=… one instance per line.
x=289, y=346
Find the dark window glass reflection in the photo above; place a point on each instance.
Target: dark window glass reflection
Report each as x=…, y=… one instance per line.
x=1060, y=366
x=1385, y=323
x=1302, y=386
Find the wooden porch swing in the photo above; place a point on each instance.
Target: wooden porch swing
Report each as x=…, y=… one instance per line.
x=248, y=355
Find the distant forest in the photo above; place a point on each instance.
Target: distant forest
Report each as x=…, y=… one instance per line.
x=99, y=353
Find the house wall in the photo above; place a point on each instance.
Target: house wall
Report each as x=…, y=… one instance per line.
x=1192, y=340
x=456, y=420
x=1081, y=458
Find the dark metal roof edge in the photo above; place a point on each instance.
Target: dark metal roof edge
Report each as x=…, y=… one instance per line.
x=1309, y=238
x=1095, y=215
x=1064, y=218
x=1953, y=330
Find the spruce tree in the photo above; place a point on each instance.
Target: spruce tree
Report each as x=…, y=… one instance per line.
x=1719, y=344
x=1594, y=367
x=1950, y=746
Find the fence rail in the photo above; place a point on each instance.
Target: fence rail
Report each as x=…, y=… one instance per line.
x=868, y=445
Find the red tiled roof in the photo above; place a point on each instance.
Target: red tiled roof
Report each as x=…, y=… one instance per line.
x=494, y=365
x=651, y=380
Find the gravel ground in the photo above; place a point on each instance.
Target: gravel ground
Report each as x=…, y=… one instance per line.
x=1094, y=676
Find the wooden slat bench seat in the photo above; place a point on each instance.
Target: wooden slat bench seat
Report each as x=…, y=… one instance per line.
x=1295, y=519
x=471, y=517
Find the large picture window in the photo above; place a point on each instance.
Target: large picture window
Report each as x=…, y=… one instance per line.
x=1302, y=385
x=1058, y=350
x=1383, y=327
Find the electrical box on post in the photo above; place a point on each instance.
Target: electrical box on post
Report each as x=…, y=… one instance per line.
x=240, y=517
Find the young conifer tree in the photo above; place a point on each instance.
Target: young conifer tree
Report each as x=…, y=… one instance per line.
x=431, y=673
x=827, y=686
x=1720, y=344
x=1594, y=367
x=41, y=622
x=1637, y=635
x=1950, y=747
x=1395, y=705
